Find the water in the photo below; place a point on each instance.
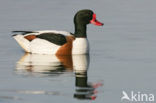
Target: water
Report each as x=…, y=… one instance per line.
x=122, y=55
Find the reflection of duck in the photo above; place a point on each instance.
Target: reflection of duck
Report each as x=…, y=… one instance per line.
x=83, y=89
x=52, y=64
x=44, y=63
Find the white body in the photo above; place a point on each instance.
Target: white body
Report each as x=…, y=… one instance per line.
x=41, y=46
x=80, y=46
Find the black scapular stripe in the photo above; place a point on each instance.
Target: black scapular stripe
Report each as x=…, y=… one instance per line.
x=24, y=32
x=57, y=39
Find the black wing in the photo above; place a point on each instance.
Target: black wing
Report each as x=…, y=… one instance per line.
x=58, y=39
x=24, y=32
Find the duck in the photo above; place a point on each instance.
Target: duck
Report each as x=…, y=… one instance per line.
x=59, y=42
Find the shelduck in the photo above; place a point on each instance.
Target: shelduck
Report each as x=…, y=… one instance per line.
x=59, y=42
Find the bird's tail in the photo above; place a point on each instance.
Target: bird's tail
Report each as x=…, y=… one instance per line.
x=24, y=43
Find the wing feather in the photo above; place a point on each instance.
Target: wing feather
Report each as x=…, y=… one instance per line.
x=57, y=39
